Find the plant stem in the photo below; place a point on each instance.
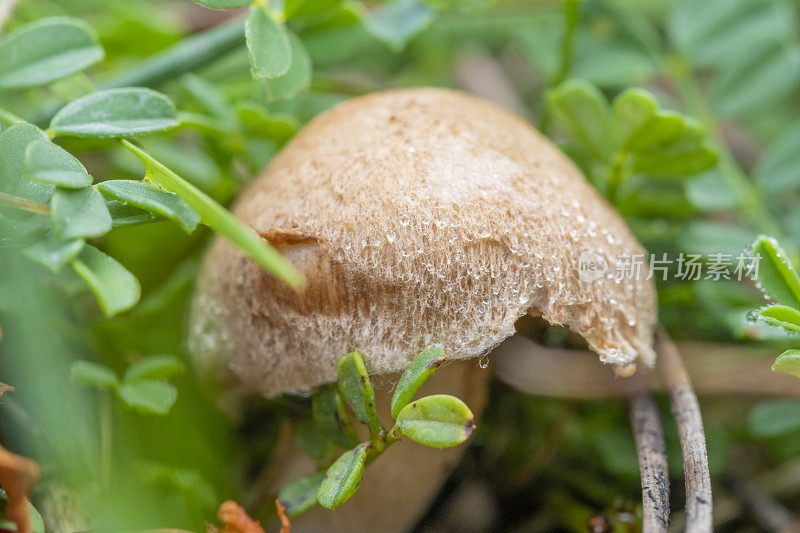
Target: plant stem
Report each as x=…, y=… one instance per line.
x=24, y=204
x=568, y=40
x=616, y=177
x=750, y=198
x=105, y=434
x=686, y=411
x=571, y=17
x=651, y=450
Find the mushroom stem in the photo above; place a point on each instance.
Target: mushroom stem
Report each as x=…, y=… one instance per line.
x=651, y=449
x=686, y=411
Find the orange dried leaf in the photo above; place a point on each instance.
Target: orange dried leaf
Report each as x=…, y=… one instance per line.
x=286, y=526
x=5, y=388
x=17, y=477
x=236, y=519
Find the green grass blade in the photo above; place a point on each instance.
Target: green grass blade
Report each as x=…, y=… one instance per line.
x=220, y=220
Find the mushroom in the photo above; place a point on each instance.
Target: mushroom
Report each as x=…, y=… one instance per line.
x=419, y=217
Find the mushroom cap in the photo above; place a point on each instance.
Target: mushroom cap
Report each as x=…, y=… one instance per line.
x=419, y=217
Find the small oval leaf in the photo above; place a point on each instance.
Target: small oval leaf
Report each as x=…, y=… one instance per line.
x=92, y=374
x=47, y=50
x=53, y=254
x=331, y=416
x=775, y=273
x=439, y=421
x=780, y=315
x=154, y=367
x=355, y=386
x=115, y=113
x=421, y=368
x=49, y=163
x=115, y=288
x=789, y=362
x=79, y=214
x=296, y=79
x=301, y=494
x=14, y=142
x=267, y=44
x=161, y=203
x=149, y=396
x=343, y=477
x=583, y=110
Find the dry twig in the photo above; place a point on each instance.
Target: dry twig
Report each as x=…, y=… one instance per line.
x=651, y=449
x=686, y=411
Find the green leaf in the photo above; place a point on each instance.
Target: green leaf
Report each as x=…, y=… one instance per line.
x=584, y=112
x=439, y=421
x=148, y=396
x=261, y=123
x=128, y=215
x=296, y=79
x=161, y=203
x=659, y=131
x=676, y=163
x=312, y=440
x=421, y=368
x=267, y=44
x=220, y=220
x=780, y=315
x=49, y=163
x=355, y=386
x=14, y=142
x=115, y=113
x=53, y=254
x=789, y=362
x=331, y=416
x=93, y=374
x=776, y=275
x=79, y=214
x=301, y=494
x=395, y=23
x=115, y=288
x=223, y=4
x=154, y=367
x=632, y=109
x=343, y=477
x=775, y=418
x=47, y=50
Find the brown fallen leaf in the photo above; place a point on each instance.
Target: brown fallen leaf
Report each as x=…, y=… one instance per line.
x=235, y=519
x=17, y=477
x=5, y=388
x=286, y=526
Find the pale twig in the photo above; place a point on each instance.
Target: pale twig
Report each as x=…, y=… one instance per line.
x=715, y=368
x=686, y=411
x=651, y=450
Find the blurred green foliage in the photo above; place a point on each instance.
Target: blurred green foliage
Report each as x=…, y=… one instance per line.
x=715, y=80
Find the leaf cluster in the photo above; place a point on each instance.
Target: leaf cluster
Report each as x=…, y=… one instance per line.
x=439, y=421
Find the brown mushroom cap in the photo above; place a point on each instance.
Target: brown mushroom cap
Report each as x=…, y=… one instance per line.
x=420, y=217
